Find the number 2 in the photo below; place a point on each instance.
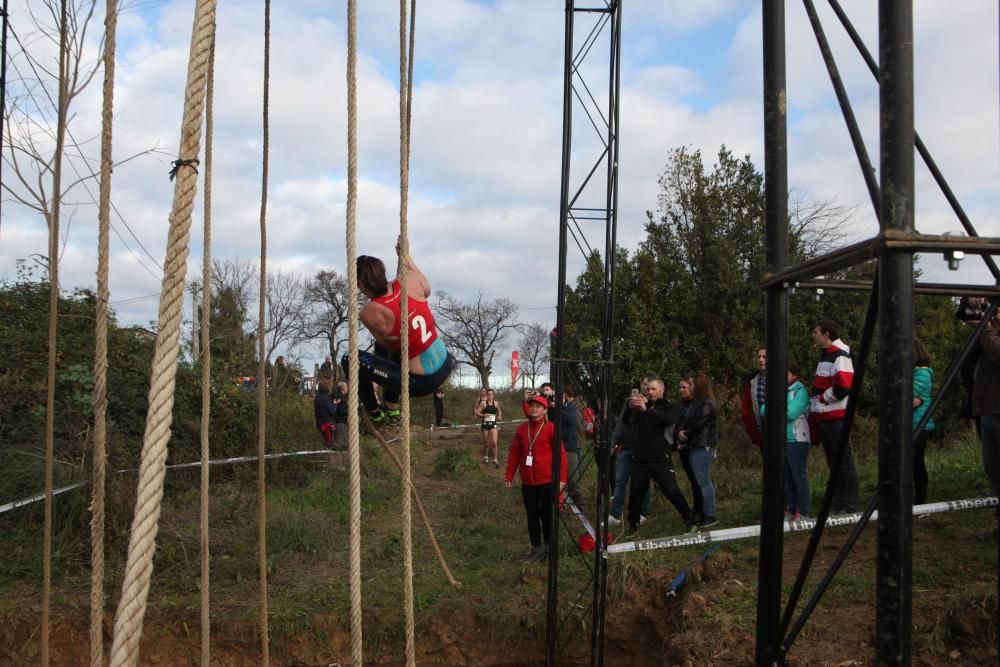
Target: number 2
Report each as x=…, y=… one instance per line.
x=418, y=322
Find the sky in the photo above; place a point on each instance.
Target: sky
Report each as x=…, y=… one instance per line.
x=487, y=131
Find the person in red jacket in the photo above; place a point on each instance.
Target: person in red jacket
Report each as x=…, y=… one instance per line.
x=531, y=453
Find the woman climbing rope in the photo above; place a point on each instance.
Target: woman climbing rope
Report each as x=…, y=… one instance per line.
x=430, y=362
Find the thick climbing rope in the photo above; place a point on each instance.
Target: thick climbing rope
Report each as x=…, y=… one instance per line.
x=50, y=403
x=142, y=542
x=261, y=359
x=206, y=366
x=405, y=81
x=420, y=506
x=101, y=347
x=354, y=441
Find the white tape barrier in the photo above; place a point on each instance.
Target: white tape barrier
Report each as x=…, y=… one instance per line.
x=730, y=534
x=194, y=464
x=37, y=497
x=444, y=428
x=589, y=527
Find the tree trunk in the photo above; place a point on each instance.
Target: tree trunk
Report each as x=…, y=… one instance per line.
x=484, y=375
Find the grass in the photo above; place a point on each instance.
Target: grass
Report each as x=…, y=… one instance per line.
x=480, y=526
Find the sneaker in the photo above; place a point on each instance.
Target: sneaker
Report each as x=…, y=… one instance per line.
x=486, y=459
x=708, y=522
x=692, y=527
x=642, y=519
x=496, y=464
x=536, y=554
x=613, y=520
x=377, y=416
x=393, y=417
x=543, y=554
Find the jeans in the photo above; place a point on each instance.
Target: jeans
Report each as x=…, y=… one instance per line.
x=698, y=504
x=623, y=469
x=845, y=498
x=660, y=471
x=989, y=426
x=701, y=461
x=797, y=477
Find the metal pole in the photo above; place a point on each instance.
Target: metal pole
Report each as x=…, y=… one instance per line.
x=603, y=449
x=776, y=325
x=552, y=593
x=894, y=561
x=3, y=87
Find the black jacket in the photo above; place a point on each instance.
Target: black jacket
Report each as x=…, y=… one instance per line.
x=651, y=443
x=699, y=420
x=324, y=409
x=626, y=432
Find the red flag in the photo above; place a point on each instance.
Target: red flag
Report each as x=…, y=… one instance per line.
x=514, y=368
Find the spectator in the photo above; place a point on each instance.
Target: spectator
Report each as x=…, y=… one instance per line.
x=531, y=453
x=340, y=418
x=831, y=385
x=548, y=390
x=326, y=368
x=489, y=412
x=796, y=448
x=923, y=392
x=651, y=458
x=986, y=400
x=429, y=362
x=970, y=310
x=623, y=439
x=438, y=408
x=697, y=438
x=569, y=417
x=325, y=413
x=752, y=397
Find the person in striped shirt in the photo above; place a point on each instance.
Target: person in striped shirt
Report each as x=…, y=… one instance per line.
x=828, y=402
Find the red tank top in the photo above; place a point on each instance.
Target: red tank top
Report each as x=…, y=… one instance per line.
x=422, y=331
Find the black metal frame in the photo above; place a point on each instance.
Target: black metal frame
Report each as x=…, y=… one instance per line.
x=604, y=121
x=891, y=303
x=4, y=17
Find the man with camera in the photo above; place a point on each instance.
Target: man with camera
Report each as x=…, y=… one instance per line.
x=652, y=454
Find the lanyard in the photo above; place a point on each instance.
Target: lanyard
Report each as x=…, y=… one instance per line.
x=531, y=445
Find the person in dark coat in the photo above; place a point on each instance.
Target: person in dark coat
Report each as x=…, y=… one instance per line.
x=325, y=412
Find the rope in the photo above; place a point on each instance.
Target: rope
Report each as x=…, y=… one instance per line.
x=142, y=542
x=405, y=82
x=420, y=506
x=261, y=358
x=206, y=364
x=101, y=348
x=354, y=444
x=50, y=401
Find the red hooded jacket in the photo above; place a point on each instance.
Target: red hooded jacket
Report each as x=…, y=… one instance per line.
x=540, y=471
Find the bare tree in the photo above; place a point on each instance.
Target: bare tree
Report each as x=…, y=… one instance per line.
x=31, y=110
x=534, y=346
x=325, y=301
x=475, y=329
x=284, y=309
x=821, y=224
x=237, y=276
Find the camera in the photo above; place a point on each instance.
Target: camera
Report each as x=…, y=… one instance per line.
x=971, y=309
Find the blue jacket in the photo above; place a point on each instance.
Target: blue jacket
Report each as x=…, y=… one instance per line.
x=797, y=425
x=923, y=383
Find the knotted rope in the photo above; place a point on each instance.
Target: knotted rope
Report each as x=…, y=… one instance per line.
x=261, y=357
x=354, y=444
x=50, y=402
x=405, y=85
x=206, y=365
x=142, y=542
x=101, y=347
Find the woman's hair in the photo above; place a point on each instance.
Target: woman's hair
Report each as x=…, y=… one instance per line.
x=371, y=274
x=793, y=368
x=323, y=387
x=921, y=357
x=702, y=387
